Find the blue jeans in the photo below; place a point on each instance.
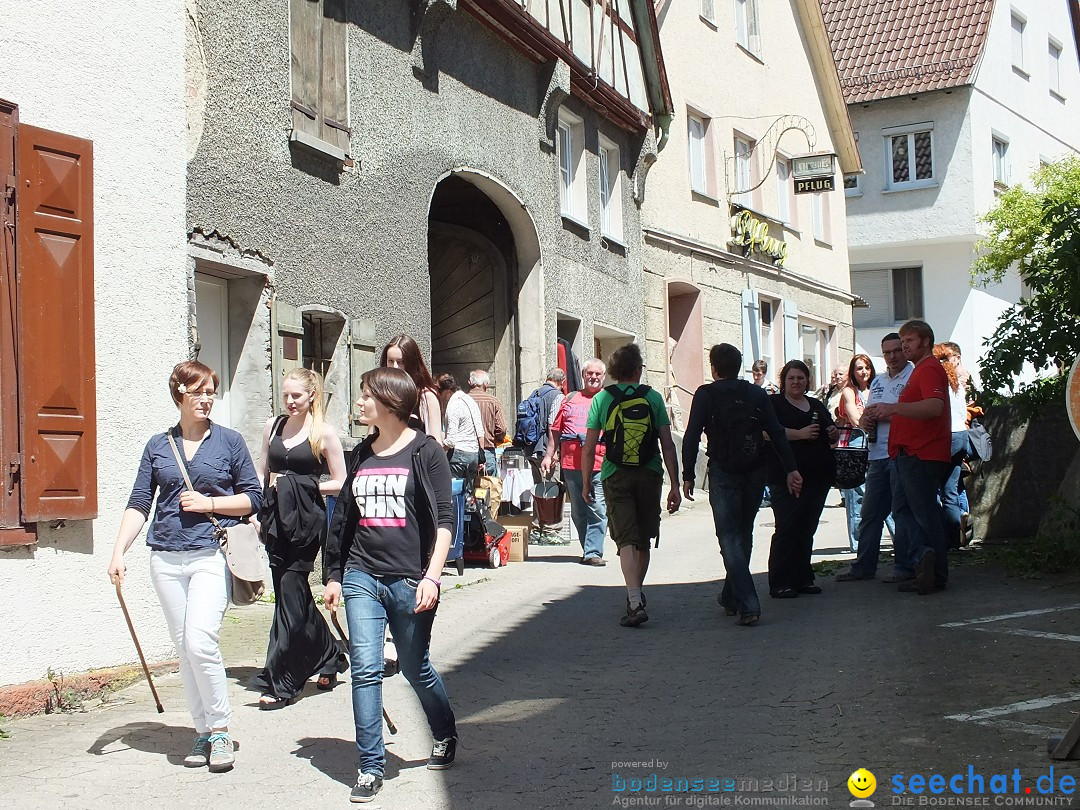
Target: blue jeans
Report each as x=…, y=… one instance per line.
x=370, y=604
x=853, y=505
x=916, y=501
x=590, y=519
x=952, y=499
x=491, y=467
x=735, y=500
x=463, y=465
x=876, y=512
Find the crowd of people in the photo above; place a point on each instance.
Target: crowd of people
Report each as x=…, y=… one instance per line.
x=386, y=542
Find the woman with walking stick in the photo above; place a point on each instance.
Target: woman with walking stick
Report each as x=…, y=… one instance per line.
x=297, y=448
x=187, y=565
x=387, y=545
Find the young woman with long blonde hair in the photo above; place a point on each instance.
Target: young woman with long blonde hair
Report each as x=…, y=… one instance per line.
x=298, y=450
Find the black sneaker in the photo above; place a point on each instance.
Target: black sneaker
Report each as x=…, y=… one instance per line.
x=442, y=754
x=367, y=785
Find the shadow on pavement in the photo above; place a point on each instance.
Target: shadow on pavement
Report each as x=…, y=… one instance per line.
x=336, y=758
x=153, y=738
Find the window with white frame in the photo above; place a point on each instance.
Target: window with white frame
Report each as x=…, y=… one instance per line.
x=783, y=190
x=743, y=171
x=909, y=156
x=819, y=215
x=697, y=138
x=815, y=342
x=770, y=319
x=893, y=295
x=852, y=187
x=573, y=200
x=610, y=190
x=1001, y=161
x=1019, y=26
x=707, y=10
x=1053, y=54
x=747, y=30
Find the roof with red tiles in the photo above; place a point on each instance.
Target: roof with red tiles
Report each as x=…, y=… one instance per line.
x=888, y=48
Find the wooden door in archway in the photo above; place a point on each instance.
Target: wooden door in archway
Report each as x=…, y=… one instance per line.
x=470, y=325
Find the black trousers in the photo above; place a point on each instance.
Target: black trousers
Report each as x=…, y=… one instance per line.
x=301, y=643
x=796, y=520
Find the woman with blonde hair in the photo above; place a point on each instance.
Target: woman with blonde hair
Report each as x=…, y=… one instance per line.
x=187, y=564
x=956, y=516
x=298, y=450
x=404, y=352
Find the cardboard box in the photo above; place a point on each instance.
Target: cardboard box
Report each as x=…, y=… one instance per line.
x=519, y=527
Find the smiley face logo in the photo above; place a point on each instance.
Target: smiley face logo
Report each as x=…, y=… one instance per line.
x=862, y=783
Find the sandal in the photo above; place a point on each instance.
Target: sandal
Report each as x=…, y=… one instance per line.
x=784, y=593
x=270, y=702
x=328, y=680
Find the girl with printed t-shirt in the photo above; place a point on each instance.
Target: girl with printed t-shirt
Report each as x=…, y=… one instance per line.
x=388, y=542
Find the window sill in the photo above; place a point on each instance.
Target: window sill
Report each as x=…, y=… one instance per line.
x=1023, y=74
x=793, y=230
x=711, y=23
x=701, y=196
x=750, y=53
x=822, y=243
x=613, y=245
x=572, y=223
x=911, y=187
x=317, y=146
x=619, y=240
x=852, y=192
x=1054, y=94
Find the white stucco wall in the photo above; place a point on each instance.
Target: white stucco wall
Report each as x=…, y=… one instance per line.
x=710, y=73
x=65, y=68
x=937, y=227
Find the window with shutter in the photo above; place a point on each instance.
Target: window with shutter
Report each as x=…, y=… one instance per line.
x=56, y=361
x=319, y=37
x=872, y=286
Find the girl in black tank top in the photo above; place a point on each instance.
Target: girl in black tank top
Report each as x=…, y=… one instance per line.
x=294, y=528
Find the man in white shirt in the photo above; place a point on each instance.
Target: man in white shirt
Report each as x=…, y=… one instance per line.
x=881, y=477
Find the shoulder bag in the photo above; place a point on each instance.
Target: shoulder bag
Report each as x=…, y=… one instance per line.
x=243, y=549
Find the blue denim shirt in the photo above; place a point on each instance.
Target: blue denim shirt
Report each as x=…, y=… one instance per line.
x=221, y=466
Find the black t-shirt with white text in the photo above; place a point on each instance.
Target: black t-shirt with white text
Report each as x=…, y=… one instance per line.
x=387, y=541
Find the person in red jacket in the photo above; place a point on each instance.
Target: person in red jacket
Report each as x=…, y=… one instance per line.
x=920, y=440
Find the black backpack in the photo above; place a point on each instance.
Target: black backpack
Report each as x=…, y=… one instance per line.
x=736, y=442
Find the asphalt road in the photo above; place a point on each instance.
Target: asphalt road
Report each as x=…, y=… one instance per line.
x=559, y=706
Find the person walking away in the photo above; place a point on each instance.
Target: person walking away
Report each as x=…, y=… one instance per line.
x=566, y=439
x=637, y=432
x=810, y=430
x=463, y=429
x=187, y=564
x=881, y=480
x=298, y=449
x=955, y=516
x=492, y=415
x=920, y=440
x=404, y=352
x=853, y=399
x=388, y=541
x=733, y=413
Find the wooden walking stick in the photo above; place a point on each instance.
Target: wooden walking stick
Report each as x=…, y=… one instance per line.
x=345, y=640
x=138, y=647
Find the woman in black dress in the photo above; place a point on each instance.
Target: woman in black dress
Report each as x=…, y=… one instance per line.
x=298, y=449
x=811, y=431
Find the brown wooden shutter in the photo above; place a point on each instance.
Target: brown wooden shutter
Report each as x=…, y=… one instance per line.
x=305, y=32
x=55, y=255
x=10, y=515
x=334, y=95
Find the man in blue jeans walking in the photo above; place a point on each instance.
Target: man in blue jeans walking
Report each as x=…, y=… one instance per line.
x=733, y=413
x=881, y=477
x=920, y=443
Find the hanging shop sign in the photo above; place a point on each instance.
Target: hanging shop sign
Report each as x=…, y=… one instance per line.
x=752, y=235
x=812, y=185
x=813, y=165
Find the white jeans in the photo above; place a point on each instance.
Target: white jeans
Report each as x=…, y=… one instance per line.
x=192, y=587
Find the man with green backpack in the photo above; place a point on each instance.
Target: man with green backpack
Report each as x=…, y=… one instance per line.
x=637, y=432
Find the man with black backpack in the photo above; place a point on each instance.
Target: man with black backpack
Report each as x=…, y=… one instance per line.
x=637, y=431
x=734, y=415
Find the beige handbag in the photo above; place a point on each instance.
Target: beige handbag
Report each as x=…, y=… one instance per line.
x=243, y=549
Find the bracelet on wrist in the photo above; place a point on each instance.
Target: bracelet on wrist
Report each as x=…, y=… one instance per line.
x=438, y=584
x=212, y=505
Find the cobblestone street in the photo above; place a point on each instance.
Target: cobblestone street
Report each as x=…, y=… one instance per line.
x=559, y=706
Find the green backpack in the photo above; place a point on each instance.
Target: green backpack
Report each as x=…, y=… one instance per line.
x=629, y=433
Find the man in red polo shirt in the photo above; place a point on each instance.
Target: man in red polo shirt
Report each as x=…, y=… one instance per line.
x=921, y=443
